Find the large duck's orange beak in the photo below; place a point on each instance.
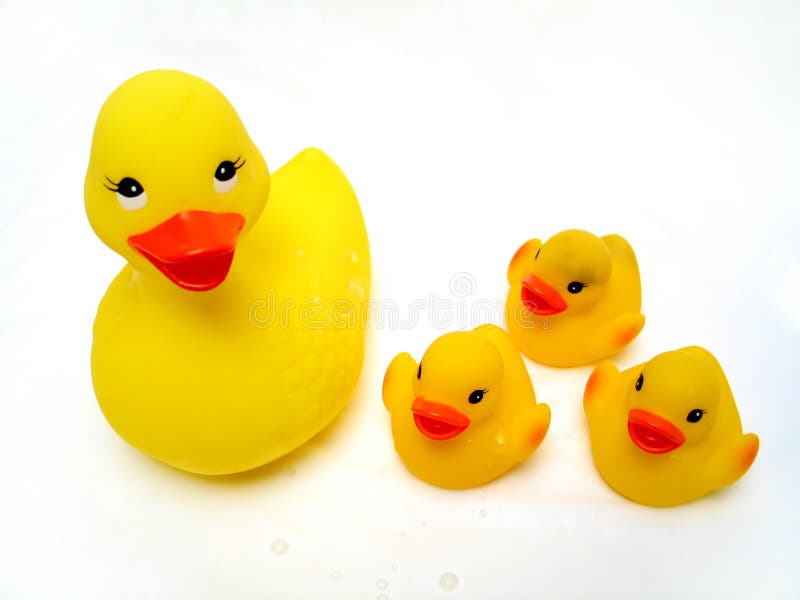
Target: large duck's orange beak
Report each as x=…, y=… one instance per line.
x=194, y=248
x=652, y=433
x=438, y=421
x=540, y=298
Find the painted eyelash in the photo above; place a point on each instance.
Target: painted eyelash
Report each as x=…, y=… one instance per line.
x=239, y=166
x=112, y=182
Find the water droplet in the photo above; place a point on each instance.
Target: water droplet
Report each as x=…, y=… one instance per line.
x=336, y=575
x=279, y=546
x=448, y=581
x=483, y=513
x=382, y=584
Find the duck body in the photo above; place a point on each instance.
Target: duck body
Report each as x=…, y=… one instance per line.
x=466, y=413
x=574, y=300
x=217, y=369
x=667, y=432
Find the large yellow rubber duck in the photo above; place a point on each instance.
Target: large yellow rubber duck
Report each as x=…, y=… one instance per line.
x=575, y=299
x=467, y=412
x=667, y=431
x=233, y=334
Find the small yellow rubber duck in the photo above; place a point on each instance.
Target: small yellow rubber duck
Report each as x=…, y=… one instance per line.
x=234, y=333
x=575, y=299
x=467, y=413
x=667, y=432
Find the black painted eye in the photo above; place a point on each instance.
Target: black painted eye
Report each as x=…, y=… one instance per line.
x=130, y=193
x=225, y=171
x=476, y=396
x=695, y=415
x=639, y=382
x=419, y=371
x=575, y=286
x=129, y=187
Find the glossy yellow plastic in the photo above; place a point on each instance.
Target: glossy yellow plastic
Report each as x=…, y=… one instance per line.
x=467, y=413
x=575, y=299
x=266, y=355
x=667, y=431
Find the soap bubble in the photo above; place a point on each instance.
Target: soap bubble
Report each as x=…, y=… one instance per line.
x=448, y=581
x=336, y=575
x=382, y=584
x=279, y=546
x=483, y=513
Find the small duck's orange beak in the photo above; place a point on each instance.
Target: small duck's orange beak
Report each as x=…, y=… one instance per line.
x=652, y=433
x=540, y=298
x=194, y=248
x=438, y=421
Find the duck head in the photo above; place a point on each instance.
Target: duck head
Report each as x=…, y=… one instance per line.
x=174, y=180
x=458, y=385
x=673, y=401
x=566, y=274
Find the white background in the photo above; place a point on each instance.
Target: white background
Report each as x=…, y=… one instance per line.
x=465, y=130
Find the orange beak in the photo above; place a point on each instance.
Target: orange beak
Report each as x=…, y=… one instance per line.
x=540, y=298
x=194, y=248
x=652, y=433
x=438, y=421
